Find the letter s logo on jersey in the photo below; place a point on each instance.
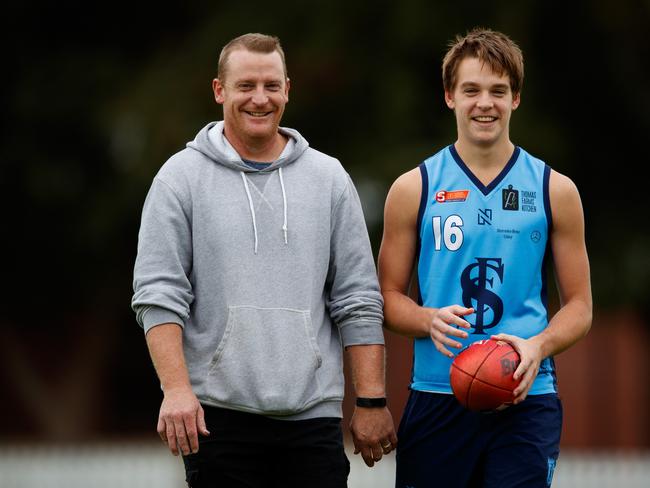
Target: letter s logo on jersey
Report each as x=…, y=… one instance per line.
x=475, y=280
x=443, y=196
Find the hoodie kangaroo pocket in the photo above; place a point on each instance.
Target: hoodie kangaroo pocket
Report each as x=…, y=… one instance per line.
x=266, y=361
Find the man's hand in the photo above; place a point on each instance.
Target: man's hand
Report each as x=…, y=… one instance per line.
x=181, y=420
x=373, y=433
x=530, y=355
x=445, y=323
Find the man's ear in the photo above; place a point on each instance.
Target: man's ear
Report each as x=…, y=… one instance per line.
x=449, y=100
x=286, y=88
x=516, y=100
x=217, y=88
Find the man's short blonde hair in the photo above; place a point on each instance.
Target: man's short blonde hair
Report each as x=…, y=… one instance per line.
x=255, y=42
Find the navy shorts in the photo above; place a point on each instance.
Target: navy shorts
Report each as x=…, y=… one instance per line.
x=442, y=444
x=248, y=450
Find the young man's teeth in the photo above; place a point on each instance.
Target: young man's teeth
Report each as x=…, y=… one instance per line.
x=485, y=119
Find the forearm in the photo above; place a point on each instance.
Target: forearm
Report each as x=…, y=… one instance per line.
x=404, y=316
x=165, y=343
x=570, y=324
x=367, y=365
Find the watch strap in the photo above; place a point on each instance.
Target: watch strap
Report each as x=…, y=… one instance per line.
x=371, y=402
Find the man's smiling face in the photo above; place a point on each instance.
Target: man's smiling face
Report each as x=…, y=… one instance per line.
x=483, y=102
x=253, y=94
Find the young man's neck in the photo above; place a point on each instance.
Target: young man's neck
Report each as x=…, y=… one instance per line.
x=485, y=157
x=261, y=151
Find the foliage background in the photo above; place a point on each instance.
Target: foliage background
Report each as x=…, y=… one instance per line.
x=96, y=96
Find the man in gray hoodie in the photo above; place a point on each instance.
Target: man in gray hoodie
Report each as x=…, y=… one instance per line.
x=254, y=272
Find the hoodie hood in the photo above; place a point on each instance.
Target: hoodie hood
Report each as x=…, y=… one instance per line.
x=221, y=152
x=211, y=142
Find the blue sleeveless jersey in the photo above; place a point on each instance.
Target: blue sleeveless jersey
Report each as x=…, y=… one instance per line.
x=483, y=247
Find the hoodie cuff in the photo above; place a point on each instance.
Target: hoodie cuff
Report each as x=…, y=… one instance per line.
x=157, y=316
x=366, y=332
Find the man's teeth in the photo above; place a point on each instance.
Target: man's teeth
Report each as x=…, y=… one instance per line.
x=485, y=119
x=258, y=114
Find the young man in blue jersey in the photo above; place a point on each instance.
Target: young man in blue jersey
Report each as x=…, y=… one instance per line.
x=477, y=222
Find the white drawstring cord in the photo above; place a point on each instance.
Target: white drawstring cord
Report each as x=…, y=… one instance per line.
x=250, y=204
x=284, y=201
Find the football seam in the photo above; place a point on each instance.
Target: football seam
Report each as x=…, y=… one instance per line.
x=488, y=384
x=474, y=378
x=469, y=390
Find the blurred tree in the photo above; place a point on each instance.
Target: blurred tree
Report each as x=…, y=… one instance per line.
x=96, y=99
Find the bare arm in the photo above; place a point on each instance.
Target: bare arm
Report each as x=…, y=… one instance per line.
x=372, y=429
x=181, y=415
x=571, y=264
x=396, y=261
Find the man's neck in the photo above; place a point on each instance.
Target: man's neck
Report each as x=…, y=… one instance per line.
x=262, y=150
x=485, y=162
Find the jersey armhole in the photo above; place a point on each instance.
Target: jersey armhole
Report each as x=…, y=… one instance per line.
x=424, y=197
x=547, y=198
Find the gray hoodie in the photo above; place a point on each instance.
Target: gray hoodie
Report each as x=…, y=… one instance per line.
x=269, y=272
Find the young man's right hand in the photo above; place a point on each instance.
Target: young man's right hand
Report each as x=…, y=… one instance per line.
x=445, y=322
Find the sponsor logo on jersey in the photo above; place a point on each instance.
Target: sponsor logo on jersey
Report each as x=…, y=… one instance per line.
x=484, y=216
x=528, y=201
x=443, y=196
x=510, y=198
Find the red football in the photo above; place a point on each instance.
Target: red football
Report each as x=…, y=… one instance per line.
x=481, y=375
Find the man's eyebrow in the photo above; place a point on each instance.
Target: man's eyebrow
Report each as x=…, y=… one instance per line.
x=474, y=83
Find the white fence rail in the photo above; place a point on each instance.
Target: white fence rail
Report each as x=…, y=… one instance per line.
x=137, y=465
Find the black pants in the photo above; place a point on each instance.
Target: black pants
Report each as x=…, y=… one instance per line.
x=247, y=450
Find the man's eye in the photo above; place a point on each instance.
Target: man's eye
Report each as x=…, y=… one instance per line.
x=274, y=87
x=245, y=86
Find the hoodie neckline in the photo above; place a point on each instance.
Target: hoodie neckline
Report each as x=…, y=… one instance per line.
x=219, y=150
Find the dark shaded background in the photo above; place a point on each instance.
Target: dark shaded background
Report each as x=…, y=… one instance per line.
x=97, y=96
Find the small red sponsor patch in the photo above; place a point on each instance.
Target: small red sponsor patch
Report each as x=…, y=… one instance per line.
x=443, y=196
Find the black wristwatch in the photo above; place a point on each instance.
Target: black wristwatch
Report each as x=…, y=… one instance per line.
x=371, y=402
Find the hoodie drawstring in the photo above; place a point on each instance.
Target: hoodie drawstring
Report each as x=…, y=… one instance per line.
x=250, y=204
x=284, y=201
x=252, y=207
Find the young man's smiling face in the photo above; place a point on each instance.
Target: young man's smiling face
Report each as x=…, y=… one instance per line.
x=483, y=102
x=253, y=93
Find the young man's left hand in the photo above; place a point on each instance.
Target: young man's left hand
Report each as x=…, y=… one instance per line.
x=530, y=354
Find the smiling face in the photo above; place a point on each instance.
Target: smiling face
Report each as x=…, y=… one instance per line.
x=483, y=102
x=253, y=94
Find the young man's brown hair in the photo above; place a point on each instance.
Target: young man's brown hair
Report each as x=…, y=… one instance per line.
x=257, y=43
x=495, y=49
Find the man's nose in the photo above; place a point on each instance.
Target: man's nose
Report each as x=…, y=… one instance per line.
x=485, y=101
x=259, y=96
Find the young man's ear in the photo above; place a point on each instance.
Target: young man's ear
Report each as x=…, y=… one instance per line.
x=449, y=100
x=516, y=100
x=217, y=89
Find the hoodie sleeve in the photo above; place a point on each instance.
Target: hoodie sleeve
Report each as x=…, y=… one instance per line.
x=162, y=289
x=355, y=302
